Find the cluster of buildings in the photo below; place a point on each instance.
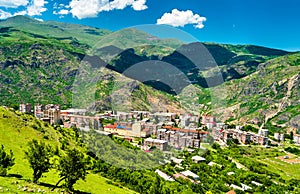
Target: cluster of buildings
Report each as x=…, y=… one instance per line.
x=180, y=138
x=171, y=129
x=189, y=175
x=186, y=174
x=165, y=133
x=78, y=118
x=243, y=137
x=176, y=130
x=49, y=113
x=280, y=137
x=132, y=129
x=195, y=178
x=161, y=125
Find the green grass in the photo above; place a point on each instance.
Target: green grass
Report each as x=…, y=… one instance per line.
x=15, y=131
x=93, y=184
x=287, y=171
x=274, y=164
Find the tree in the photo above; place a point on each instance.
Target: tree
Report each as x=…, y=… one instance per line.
x=200, y=122
x=73, y=166
x=7, y=160
x=291, y=135
x=39, y=155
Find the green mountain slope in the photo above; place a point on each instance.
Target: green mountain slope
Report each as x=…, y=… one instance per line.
x=132, y=37
x=269, y=97
x=231, y=62
x=94, y=38
x=51, y=29
x=36, y=69
x=237, y=61
x=16, y=130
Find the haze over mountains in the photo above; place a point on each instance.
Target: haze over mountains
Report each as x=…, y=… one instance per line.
x=39, y=62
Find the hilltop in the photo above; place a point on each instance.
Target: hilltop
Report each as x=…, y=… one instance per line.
x=57, y=30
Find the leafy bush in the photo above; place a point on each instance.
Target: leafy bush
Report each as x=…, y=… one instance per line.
x=293, y=150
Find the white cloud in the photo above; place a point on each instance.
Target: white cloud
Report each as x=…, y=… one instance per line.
x=4, y=14
x=13, y=3
x=61, y=9
x=33, y=8
x=36, y=7
x=21, y=13
x=91, y=8
x=181, y=18
x=139, y=5
x=63, y=12
x=39, y=19
x=84, y=8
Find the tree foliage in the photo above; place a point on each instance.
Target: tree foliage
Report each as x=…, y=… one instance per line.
x=6, y=161
x=39, y=155
x=73, y=166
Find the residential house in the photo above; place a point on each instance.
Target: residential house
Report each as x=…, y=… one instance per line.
x=25, y=108
x=159, y=144
x=177, y=160
x=164, y=175
x=53, y=115
x=296, y=138
x=198, y=159
x=214, y=164
x=189, y=173
x=179, y=175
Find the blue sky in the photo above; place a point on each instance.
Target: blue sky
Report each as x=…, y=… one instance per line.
x=271, y=23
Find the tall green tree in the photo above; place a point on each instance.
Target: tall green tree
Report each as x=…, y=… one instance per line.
x=39, y=155
x=7, y=160
x=73, y=166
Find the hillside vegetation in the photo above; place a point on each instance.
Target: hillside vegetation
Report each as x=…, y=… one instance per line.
x=38, y=69
x=269, y=97
x=16, y=130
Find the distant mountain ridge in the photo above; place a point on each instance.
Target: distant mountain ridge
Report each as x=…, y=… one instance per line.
x=233, y=62
x=52, y=29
